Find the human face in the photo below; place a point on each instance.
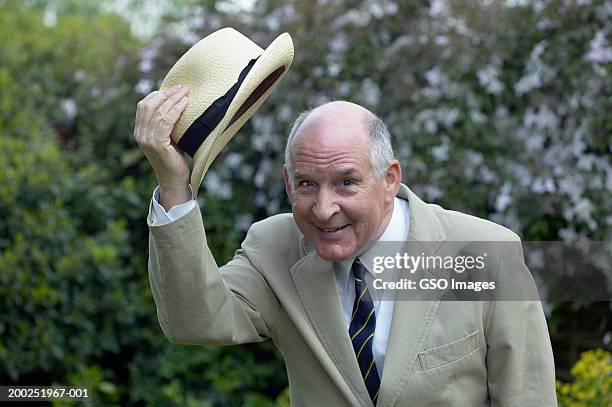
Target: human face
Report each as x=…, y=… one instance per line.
x=338, y=204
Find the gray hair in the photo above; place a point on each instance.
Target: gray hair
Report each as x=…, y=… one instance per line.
x=380, y=154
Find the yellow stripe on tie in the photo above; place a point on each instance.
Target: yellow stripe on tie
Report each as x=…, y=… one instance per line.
x=359, y=302
x=364, y=325
x=369, y=369
x=376, y=395
x=366, y=341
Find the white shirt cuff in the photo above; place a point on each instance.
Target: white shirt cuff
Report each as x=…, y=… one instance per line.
x=161, y=217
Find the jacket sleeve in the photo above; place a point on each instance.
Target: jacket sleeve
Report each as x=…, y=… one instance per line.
x=200, y=303
x=520, y=364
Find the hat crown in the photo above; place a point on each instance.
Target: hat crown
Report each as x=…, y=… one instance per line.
x=211, y=66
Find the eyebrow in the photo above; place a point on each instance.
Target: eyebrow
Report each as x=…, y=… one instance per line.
x=343, y=173
x=349, y=172
x=297, y=174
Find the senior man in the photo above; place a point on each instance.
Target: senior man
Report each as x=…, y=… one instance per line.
x=299, y=279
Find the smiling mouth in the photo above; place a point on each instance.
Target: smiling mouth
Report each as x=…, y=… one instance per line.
x=332, y=229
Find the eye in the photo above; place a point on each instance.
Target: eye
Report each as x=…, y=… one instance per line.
x=305, y=184
x=347, y=183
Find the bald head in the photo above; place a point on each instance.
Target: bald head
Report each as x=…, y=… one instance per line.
x=338, y=111
x=342, y=114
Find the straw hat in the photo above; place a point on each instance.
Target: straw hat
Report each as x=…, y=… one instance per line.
x=229, y=77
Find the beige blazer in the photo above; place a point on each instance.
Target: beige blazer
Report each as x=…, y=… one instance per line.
x=439, y=353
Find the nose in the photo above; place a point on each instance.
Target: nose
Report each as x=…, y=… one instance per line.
x=324, y=206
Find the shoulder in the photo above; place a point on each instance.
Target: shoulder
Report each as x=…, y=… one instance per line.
x=278, y=233
x=277, y=225
x=274, y=244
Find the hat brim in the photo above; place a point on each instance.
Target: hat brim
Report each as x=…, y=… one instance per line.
x=261, y=80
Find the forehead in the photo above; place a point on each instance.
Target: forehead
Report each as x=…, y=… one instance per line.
x=334, y=144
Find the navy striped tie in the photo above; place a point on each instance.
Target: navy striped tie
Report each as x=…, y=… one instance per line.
x=361, y=331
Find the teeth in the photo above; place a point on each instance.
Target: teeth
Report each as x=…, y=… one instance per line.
x=331, y=230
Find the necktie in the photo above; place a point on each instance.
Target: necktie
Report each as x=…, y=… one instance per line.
x=361, y=331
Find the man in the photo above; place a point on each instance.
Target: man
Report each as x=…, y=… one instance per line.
x=300, y=280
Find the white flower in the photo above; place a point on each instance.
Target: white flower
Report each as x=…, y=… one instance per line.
x=477, y=116
x=517, y=3
x=233, y=160
x=600, y=49
x=583, y=210
x=448, y=116
x=338, y=44
x=435, y=77
x=356, y=17
x=243, y=222
x=285, y=113
x=264, y=173
x=144, y=86
x=441, y=40
x=542, y=185
x=69, y=107
x=438, y=8
x=537, y=72
x=487, y=78
x=216, y=186
x=432, y=192
x=148, y=55
x=344, y=88
x=79, y=75
x=440, y=152
x=273, y=206
x=543, y=118
x=334, y=68
x=50, y=16
x=487, y=175
x=370, y=92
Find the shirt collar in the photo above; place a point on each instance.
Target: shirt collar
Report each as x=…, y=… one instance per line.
x=396, y=231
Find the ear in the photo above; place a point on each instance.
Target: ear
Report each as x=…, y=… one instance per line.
x=393, y=179
x=287, y=181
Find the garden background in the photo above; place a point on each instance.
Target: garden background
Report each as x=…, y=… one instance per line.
x=500, y=109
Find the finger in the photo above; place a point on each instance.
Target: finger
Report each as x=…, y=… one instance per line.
x=175, y=111
x=156, y=100
x=165, y=92
x=140, y=112
x=171, y=101
x=150, y=96
x=138, y=119
x=154, y=111
x=143, y=102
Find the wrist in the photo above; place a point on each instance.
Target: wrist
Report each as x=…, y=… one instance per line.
x=172, y=195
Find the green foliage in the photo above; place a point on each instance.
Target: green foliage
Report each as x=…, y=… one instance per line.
x=592, y=385
x=76, y=307
x=284, y=399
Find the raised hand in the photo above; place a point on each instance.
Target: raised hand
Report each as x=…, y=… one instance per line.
x=156, y=116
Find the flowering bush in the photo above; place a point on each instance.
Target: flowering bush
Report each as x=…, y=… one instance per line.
x=592, y=385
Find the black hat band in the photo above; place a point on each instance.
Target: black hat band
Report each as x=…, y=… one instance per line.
x=202, y=126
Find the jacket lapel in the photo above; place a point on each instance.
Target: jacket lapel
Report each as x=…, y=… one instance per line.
x=315, y=282
x=411, y=318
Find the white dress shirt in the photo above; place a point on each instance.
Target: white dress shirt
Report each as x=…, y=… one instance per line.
x=161, y=217
x=397, y=231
